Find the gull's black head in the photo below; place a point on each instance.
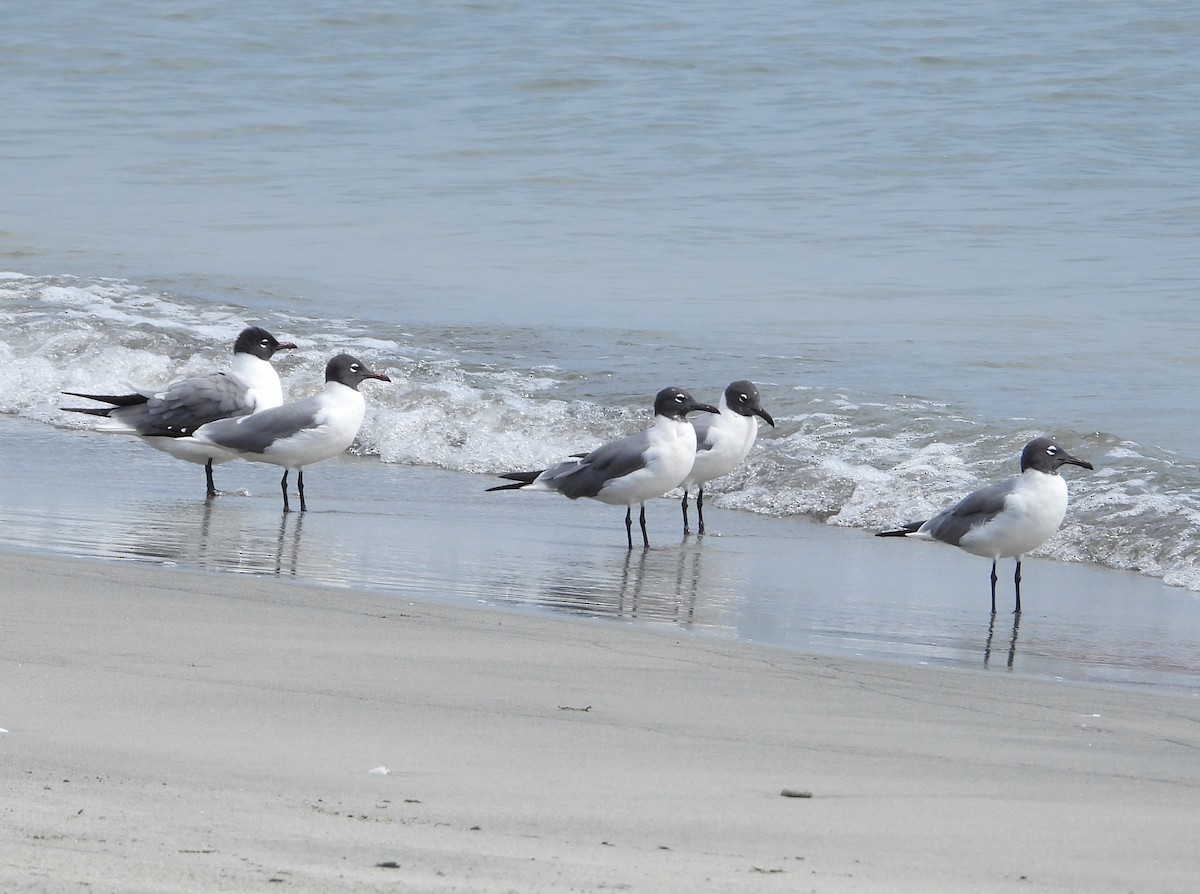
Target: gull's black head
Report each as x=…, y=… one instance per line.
x=742, y=397
x=350, y=371
x=260, y=343
x=1047, y=455
x=675, y=403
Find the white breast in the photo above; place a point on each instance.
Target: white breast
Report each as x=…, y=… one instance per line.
x=668, y=460
x=730, y=437
x=1032, y=513
x=259, y=378
x=335, y=425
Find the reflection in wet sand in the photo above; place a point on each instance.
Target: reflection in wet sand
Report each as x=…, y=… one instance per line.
x=1012, y=642
x=291, y=555
x=659, y=585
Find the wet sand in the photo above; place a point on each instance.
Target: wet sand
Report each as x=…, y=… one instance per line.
x=195, y=696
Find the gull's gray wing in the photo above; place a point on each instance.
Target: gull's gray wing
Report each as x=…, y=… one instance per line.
x=950, y=525
x=587, y=476
x=257, y=432
x=184, y=406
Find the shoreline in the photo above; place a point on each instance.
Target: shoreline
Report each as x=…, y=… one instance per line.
x=172, y=730
x=435, y=536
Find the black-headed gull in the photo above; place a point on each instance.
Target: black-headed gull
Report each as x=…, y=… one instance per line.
x=630, y=470
x=249, y=385
x=723, y=441
x=1011, y=518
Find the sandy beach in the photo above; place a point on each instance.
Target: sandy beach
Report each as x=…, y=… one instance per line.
x=170, y=730
x=927, y=236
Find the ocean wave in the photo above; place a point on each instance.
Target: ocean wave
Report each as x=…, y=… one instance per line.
x=482, y=405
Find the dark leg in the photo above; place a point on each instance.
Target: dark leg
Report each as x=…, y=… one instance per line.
x=300, y=488
x=1017, y=584
x=629, y=525
x=212, y=488
x=283, y=485
x=993, y=586
x=642, y=519
x=684, y=504
x=700, y=510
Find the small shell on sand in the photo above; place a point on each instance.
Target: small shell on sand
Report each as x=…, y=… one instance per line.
x=379, y=771
x=796, y=793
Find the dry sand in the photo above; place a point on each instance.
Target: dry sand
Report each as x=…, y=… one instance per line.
x=179, y=731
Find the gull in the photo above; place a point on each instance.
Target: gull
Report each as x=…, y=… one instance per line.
x=629, y=470
x=297, y=434
x=723, y=441
x=249, y=385
x=1007, y=519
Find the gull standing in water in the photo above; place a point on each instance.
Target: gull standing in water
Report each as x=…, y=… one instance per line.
x=301, y=433
x=629, y=470
x=723, y=441
x=249, y=385
x=1011, y=518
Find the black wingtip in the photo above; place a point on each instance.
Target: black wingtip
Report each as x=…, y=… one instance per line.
x=117, y=400
x=90, y=411
x=910, y=528
x=521, y=479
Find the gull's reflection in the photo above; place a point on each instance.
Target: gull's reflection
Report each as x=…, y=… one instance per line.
x=293, y=561
x=653, y=585
x=212, y=535
x=629, y=594
x=687, y=585
x=1012, y=642
x=205, y=527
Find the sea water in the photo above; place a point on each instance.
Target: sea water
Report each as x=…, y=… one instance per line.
x=928, y=232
